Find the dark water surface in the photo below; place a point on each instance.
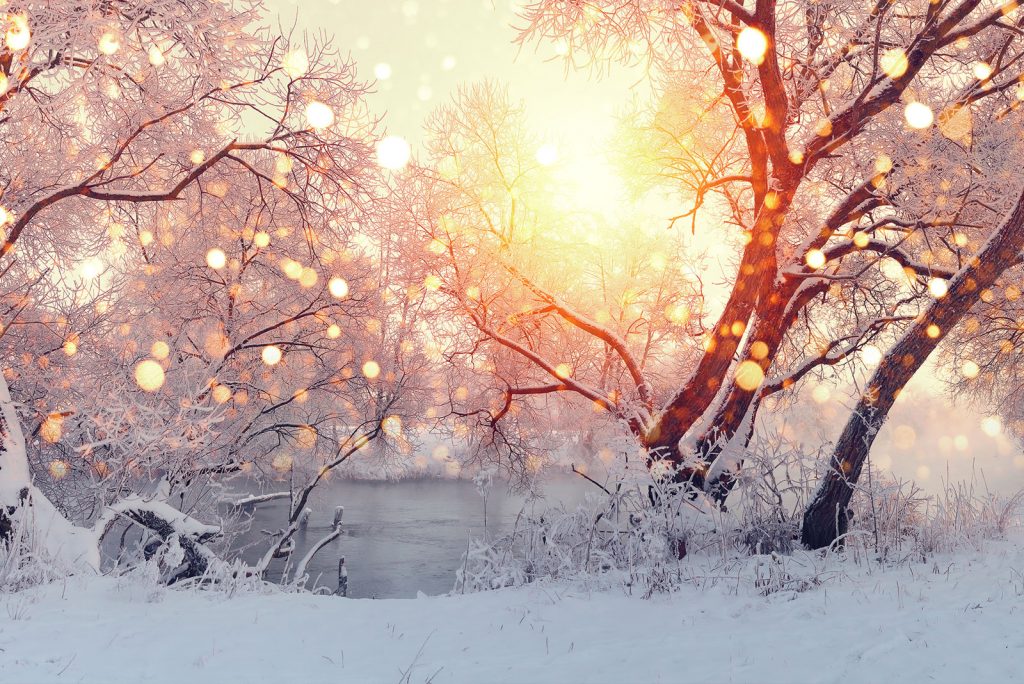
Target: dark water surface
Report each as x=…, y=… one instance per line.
x=399, y=537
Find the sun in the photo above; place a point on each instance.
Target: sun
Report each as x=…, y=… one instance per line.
x=586, y=180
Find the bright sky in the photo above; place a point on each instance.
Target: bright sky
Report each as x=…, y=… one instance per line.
x=425, y=48
x=421, y=50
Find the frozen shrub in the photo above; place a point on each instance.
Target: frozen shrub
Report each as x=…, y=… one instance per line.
x=634, y=536
x=896, y=520
x=23, y=561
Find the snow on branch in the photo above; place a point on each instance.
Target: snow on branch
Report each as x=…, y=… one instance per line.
x=259, y=498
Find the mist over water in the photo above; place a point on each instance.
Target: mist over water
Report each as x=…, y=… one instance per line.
x=400, y=537
x=929, y=437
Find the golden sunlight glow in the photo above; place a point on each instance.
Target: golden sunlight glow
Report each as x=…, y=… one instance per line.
x=109, y=43
x=937, y=288
x=216, y=258
x=752, y=44
x=156, y=56
x=338, y=287
x=149, y=375
x=894, y=62
x=221, y=393
x=815, y=258
x=333, y=331
x=308, y=277
x=160, y=350
x=749, y=375
x=371, y=369
x=970, y=369
x=933, y=331
x=18, y=34
x=91, y=268
x=587, y=178
x=563, y=370
x=52, y=428
x=992, y=426
x=271, y=355
x=547, y=154
x=393, y=152
x=58, y=468
x=918, y=115
x=678, y=314
x=982, y=70
x=392, y=426
x=871, y=355
x=291, y=268
x=295, y=63
x=319, y=115
x=261, y=239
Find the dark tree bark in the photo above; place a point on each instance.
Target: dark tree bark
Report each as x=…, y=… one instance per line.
x=692, y=401
x=827, y=517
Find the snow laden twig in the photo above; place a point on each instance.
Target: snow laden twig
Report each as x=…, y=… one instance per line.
x=356, y=440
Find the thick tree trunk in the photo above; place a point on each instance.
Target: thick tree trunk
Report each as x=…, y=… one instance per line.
x=732, y=415
x=826, y=518
x=774, y=317
x=59, y=541
x=22, y=503
x=692, y=401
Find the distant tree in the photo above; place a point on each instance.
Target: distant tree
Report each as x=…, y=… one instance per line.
x=533, y=302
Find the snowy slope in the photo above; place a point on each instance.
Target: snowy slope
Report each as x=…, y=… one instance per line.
x=951, y=619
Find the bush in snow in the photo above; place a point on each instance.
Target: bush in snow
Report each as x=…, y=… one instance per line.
x=24, y=562
x=894, y=520
x=648, y=537
x=633, y=534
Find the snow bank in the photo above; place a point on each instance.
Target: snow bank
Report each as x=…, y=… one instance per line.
x=952, y=619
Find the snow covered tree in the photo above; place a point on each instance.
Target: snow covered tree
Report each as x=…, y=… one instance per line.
x=122, y=123
x=826, y=518
x=859, y=153
x=529, y=304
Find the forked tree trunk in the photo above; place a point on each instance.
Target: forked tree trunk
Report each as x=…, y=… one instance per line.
x=692, y=401
x=773, y=320
x=827, y=517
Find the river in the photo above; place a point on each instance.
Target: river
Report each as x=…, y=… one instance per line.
x=401, y=537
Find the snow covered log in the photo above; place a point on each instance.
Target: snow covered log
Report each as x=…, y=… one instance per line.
x=171, y=526
x=254, y=499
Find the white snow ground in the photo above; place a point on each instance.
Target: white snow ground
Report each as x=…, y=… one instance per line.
x=950, y=619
